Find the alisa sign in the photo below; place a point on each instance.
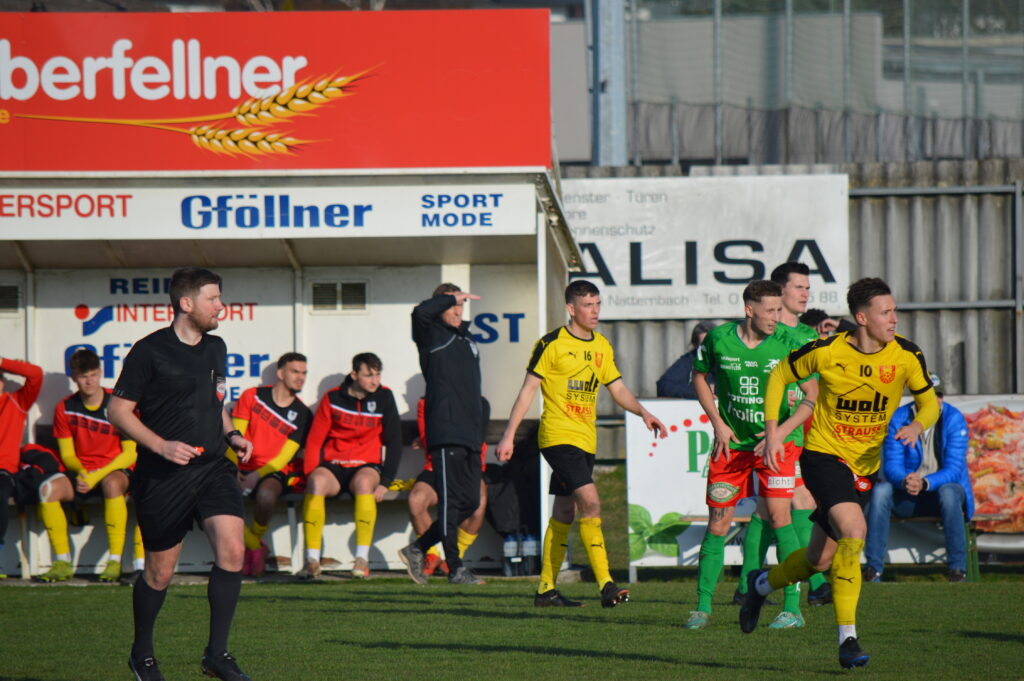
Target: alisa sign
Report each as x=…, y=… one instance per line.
x=299, y=90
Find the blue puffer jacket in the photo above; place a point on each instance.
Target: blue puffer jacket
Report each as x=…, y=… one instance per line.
x=899, y=461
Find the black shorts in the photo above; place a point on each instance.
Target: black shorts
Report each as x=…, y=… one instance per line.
x=344, y=474
x=97, y=491
x=281, y=478
x=166, y=506
x=830, y=481
x=571, y=468
x=427, y=476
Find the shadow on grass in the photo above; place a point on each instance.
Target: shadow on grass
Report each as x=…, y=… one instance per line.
x=992, y=636
x=554, y=652
x=567, y=614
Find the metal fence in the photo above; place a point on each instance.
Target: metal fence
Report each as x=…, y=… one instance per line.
x=870, y=80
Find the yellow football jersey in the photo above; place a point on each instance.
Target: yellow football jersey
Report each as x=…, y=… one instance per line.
x=571, y=370
x=858, y=393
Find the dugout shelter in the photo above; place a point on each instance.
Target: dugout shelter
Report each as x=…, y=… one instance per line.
x=332, y=167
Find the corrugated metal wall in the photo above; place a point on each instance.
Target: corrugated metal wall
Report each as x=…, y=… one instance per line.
x=949, y=248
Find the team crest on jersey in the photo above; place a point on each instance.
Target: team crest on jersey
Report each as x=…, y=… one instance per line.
x=472, y=346
x=371, y=405
x=598, y=358
x=222, y=388
x=722, y=492
x=292, y=414
x=887, y=373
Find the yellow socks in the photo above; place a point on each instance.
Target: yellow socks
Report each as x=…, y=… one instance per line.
x=139, y=554
x=313, y=518
x=465, y=541
x=254, y=536
x=115, y=515
x=556, y=541
x=435, y=549
x=846, y=579
x=593, y=541
x=56, y=523
x=366, y=518
x=795, y=568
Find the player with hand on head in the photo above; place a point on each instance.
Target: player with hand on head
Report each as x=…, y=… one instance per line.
x=569, y=365
x=170, y=400
x=98, y=461
x=14, y=408
x=354, y=446
x=276, y=421
x=861, y=379
x=453, y=413
x=741, y=355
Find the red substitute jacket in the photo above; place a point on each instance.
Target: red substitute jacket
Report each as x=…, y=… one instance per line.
x=97, y=442
x=14, y=410
x=350, y=432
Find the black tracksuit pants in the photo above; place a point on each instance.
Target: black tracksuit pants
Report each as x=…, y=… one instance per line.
x=457, y=474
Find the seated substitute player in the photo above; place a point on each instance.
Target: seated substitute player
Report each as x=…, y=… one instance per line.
x=14, y=408
x=861, y=379
x=569, y=365
x=741, y=355
x=276, y=421
x=98, y=461
x=354, y=446
x=423, y=496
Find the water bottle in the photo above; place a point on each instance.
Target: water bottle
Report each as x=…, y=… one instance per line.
x=512, y=565
x=531, y=555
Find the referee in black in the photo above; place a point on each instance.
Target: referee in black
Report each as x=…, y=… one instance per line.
x=453, y=413
x=170, y=400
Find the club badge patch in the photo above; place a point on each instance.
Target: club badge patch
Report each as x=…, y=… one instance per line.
x=598, y=358
x=222, y=388
x=292, y=414
x=887, y=373
x=722, y=492
x=371, y=405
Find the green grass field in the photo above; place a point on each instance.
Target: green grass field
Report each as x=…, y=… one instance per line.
x=916, y=628
x=392, y=629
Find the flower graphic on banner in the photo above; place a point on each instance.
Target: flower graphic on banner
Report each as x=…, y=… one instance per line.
x=257, y=116
x=659, y=536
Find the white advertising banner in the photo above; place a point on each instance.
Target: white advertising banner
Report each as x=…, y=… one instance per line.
x=109, y=311
x=285, y=212
x=667, y=481
x=666, y=484
x=666, y=248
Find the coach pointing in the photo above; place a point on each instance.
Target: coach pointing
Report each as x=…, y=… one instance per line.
x=170, y=400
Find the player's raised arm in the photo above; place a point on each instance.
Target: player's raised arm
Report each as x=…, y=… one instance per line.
x=518, y=413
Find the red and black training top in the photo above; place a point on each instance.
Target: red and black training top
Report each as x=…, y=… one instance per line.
x=96, y=439
x=14, y=410
x=347, y=431
x=270, y=425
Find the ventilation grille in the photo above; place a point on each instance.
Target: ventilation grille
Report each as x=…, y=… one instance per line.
x=10, y=299
x=332, y=296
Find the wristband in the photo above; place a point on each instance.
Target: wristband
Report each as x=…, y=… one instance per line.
x=809, y=402
x=227, y=438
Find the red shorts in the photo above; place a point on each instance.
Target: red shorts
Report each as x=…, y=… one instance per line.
x=728, y=482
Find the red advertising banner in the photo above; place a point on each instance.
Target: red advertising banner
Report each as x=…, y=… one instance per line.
x=273, y=91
